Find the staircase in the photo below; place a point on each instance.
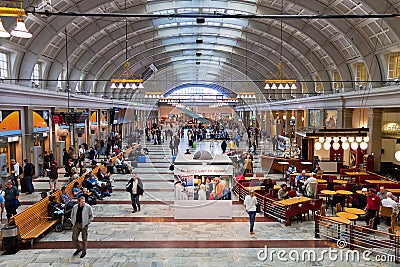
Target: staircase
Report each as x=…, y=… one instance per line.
x=194, y=115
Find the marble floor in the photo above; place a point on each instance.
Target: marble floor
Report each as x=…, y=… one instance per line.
x=152, y=237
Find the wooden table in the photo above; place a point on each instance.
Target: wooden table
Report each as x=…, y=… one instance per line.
x=356, y=175
x=394, y=191
x=321, y=181
x=339, y=220
x=344, y=192
x=347, y=215
x=339, y=181
x=355, y=211
x=328, y=193
x=379, y=182
x=292, y=201
x=359, y=192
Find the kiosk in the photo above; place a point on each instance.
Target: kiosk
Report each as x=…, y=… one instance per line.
x=203, y=185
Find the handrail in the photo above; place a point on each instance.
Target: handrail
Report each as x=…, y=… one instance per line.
x=281, y=213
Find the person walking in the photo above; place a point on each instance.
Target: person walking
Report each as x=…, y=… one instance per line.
x=250, y=202
x=373, y=209
x=135, y=188
x=53, y=175
x=15, y=172
x=11, y=199
x=82, y=215
x=29, y=172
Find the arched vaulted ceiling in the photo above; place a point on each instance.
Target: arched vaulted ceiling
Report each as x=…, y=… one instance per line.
x=234, y=50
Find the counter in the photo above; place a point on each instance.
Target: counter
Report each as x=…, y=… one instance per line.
x=271, y=163
x=330, y=166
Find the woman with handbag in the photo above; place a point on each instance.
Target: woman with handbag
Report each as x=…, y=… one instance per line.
x=135, y=188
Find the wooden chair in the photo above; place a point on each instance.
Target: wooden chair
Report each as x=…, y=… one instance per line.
x=386, y=212
x=312, y=190
x=292, y=193
x=315, y=205
x=338, y=207
x=393, y=224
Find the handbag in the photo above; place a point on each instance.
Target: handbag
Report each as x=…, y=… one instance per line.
x=258, y=208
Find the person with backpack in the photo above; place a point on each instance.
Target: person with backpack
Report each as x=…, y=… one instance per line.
x=29, y=172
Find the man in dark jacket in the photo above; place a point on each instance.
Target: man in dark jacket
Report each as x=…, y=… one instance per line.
x=29, y=172
x=135, y=188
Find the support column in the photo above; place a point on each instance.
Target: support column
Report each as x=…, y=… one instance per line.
x=348, y=118
x=375, y=136
x=27, y=138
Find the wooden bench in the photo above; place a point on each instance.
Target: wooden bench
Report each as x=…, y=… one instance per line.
x=34, y=221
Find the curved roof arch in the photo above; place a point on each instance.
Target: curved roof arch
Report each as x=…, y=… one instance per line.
x=310, y=47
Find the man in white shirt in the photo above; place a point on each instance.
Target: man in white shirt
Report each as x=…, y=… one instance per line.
x=309, y=183
x=250, y=203
x=15, y=172
x=389, y=202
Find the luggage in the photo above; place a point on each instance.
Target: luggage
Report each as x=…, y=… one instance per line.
x=141, y=159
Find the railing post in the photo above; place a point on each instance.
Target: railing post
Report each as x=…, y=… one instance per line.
x=396, y=248
x=351, y=236
x=316, y=219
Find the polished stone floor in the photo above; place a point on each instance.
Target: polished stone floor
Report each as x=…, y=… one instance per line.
x=153, y=238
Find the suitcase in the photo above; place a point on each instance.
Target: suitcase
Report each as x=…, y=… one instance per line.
x=141, y=159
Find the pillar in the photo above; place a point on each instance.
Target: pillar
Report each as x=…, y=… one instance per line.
x=27, y=130
x=375, y=136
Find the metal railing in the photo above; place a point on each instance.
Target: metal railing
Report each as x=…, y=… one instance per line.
x=365, y=240
x=279, y=212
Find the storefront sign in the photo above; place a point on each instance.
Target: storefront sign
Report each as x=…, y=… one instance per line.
x=391, y=128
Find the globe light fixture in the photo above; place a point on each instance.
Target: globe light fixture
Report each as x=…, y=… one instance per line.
x=327, y=146
x=336, y=146
x=345, y=145
x=354, y=145
x=317, y=146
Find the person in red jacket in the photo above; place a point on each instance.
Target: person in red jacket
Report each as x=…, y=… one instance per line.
x=373, y=208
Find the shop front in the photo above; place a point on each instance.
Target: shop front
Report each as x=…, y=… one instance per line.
x=203, y=185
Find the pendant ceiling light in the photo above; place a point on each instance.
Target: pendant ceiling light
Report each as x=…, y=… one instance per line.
x=280, y=80
x=127, y=79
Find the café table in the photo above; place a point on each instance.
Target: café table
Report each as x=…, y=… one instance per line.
x=283, y=163
x=293, y=201
x=328, y=194
x=347, y=215
x=339, y=181
x=355, y=211
x=356, y=175
x=345, y=193
x=379, y=182
x=394, y=191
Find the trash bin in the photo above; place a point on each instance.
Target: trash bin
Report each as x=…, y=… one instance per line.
x=9, y=234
